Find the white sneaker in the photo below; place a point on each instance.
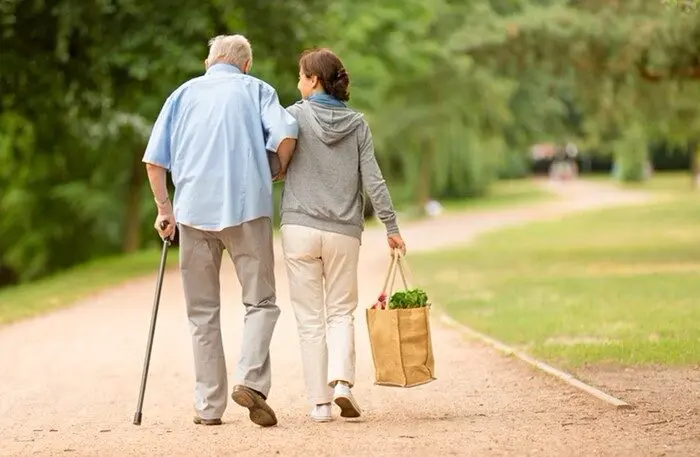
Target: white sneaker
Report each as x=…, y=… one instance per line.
x=321, y=413
x=343, y=398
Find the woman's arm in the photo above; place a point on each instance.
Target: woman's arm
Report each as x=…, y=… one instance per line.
x=374, y=184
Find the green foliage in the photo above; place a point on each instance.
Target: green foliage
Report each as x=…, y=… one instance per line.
x=686, y=6
x=631, y=154
x=455, y=92
x=410, y=298
x=514, y=165
x=81, y=84
x=602, y=67
x=438, y=116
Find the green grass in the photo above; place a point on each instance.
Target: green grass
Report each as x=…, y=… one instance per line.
x=67, y=287
x=676, y=182
x=501, y=194
x=616, y=285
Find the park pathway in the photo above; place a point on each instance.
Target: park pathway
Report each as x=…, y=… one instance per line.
x=69, y=379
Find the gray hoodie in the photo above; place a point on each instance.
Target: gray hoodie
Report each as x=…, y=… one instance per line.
x=333, y=162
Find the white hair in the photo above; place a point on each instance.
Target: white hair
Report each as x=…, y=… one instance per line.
x=232, y=49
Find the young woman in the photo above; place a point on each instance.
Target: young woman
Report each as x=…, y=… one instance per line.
x=322, y=223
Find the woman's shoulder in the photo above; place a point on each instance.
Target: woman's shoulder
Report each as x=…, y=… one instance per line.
x=294, y=108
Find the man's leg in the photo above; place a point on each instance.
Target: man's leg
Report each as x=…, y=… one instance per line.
x=200, y=263
x=250, y=248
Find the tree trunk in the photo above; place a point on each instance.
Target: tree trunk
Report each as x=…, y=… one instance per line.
x=132, y=209
x=7, y=276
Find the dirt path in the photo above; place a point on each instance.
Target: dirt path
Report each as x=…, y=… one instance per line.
x=69, y=380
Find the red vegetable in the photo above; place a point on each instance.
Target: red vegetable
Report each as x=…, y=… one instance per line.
x=381, y=302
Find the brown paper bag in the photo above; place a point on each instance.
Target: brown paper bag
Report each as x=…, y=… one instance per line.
x=402, y=349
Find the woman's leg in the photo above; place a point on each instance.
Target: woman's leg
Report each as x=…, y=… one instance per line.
x=340, y=255
x=302, y=252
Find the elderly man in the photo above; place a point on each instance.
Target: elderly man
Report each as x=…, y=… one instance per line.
x=213, y=134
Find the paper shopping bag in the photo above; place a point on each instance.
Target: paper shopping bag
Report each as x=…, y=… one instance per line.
x=400, y=339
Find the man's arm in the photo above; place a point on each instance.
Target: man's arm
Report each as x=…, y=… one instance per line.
x=281, y=129
x=158, y=147
x=157, y=158
x=159, y=187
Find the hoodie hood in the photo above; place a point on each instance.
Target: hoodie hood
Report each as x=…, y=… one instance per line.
x=330, y=123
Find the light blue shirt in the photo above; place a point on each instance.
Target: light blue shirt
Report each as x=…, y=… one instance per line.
x=212, y=134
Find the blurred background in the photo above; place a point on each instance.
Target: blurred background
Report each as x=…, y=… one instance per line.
x=459, y=94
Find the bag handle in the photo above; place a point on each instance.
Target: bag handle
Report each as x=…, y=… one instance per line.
x=390, y=276
x=405, y=269
x=397, y=266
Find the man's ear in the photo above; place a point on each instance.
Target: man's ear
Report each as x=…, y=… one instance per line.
x=206, y=64
x=315, y=82
x=247, y=65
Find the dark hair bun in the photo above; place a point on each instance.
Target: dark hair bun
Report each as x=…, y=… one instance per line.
x=328, y=68
x=339, y=87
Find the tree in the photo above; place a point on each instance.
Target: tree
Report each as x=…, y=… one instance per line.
x=622, y=63
x=434, y=113
x=82, y=82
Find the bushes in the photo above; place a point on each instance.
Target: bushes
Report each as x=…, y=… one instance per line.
x=631, y=155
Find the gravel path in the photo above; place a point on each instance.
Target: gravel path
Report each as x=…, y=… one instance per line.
x=69, y=380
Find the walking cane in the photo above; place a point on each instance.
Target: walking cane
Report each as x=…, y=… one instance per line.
x=149, y=345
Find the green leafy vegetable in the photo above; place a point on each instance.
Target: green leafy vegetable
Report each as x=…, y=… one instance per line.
x=410, y=298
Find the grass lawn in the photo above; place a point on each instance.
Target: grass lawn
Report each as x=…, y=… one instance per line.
x=676, y=183
x=501, y=194
x=615, y=285
x=71, y=285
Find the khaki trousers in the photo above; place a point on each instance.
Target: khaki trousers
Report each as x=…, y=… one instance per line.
x=250, y=247
x=322, y=271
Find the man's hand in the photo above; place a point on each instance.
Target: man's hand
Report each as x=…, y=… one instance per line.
x=396, y=242
x=165, y=214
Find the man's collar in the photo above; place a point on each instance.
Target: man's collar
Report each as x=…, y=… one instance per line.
x=224, y=68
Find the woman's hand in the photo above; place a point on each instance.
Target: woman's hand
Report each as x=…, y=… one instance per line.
x=396, y=242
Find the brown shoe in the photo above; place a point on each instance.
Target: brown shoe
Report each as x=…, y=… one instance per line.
x=199, y=421
x=260, y=413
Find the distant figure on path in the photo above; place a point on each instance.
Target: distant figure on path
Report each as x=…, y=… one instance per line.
x=322, y=223
x=213, y=134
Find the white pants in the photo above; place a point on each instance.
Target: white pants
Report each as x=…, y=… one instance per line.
x=323, y=263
